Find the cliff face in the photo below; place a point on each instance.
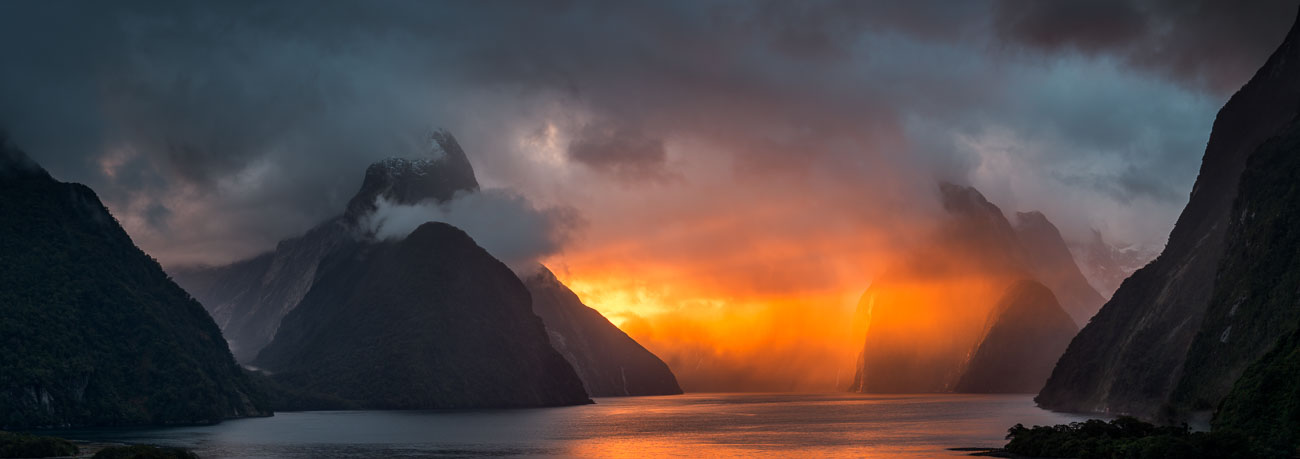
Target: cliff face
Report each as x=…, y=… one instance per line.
x=94, y=332
x=432, y=321
x=1257, y=290
x=924, y=318
x=1254, y=301
x=1054, y=266
x=609, y=362
x=248, y=299
x=1137, y=354
x=1026, y=333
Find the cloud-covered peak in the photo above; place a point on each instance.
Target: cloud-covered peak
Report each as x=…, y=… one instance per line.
x=438, y=176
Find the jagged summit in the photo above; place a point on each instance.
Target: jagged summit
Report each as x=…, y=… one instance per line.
x=964, y=200
x=439, y=176
x=979, y=230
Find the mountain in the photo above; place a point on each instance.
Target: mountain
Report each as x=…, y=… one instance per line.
x=445, y=172
x=248, y=299
x=1053, y=265
x=1180, y=330
x=609, y=362
x=94, y=333
x=1253, y=310
x=1106, y=265
x=1027, y=331
x=431, y=321
x=922, y=319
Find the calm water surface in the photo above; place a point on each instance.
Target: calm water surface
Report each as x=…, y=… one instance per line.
x=692, y=425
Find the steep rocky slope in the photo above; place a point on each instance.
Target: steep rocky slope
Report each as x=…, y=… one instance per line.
x=1256, y=299
x=1027, y=331
x=93, y=331
x=609, y=362
x=1162, y=345
x=431, y=321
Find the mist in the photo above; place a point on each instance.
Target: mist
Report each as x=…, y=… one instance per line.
x=503, y=222
x=742, y=170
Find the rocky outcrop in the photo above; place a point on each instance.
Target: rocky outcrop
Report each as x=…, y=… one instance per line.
x=1052, y=264
x=431, y=321
x=444, y=172
x=1179, y=329
x=249, y=298
x=1026, y=332
x=609, y=362
x=93, y=331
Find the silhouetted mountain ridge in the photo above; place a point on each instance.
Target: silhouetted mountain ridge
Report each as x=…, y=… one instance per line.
x=94, y=333
x=249, y=298
x=430, y=321
x=609, y=362
x=1151, y=350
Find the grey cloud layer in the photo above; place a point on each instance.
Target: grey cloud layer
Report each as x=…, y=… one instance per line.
x=214, y=129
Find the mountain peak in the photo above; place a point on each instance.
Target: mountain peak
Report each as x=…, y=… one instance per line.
x=439, y=175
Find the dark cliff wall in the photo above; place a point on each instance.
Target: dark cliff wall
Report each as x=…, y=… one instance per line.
x=93, y=331
x=432, y=321
x=1131, y=357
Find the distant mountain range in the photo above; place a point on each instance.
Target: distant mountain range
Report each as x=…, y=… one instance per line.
x=1106, y=265
x=94, y=333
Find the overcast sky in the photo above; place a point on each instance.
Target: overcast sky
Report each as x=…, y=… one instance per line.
x=214, y=129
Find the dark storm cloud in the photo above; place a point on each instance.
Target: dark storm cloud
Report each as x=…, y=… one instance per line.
x=620, y=150
x=225, y=126
x=1218, y=44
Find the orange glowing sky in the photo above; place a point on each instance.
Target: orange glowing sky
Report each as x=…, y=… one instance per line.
x=742, y=171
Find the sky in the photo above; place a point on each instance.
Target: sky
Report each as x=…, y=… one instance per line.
x=729, y=176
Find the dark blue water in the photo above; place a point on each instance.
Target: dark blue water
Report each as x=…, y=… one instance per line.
x=693, y=425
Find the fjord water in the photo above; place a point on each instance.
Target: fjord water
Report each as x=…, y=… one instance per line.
x=692, y=425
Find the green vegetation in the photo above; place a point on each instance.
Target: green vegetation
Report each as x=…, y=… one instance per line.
x=283, y=397
x=94, y=332
x=1127, y=437
x=143, y=452
x=23, y=445
x=1265, y=403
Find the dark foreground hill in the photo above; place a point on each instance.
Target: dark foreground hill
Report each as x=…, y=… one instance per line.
x=93, y=331
x=1179, y=333
x=431, y=321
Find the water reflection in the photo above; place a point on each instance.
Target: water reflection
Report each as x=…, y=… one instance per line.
x=692, y=425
